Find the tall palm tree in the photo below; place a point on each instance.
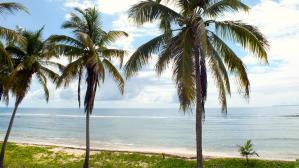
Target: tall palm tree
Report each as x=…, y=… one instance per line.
x=192, y=38
x=30, y=58
x=89, y=53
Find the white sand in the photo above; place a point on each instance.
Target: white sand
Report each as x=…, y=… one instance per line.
x=177, y=152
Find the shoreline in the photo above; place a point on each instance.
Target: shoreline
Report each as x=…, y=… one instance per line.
x=179, y=153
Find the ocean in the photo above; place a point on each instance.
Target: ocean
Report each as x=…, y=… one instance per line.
x=273, y=130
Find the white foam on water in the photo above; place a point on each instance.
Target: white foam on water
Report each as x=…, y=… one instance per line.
x=93, y=116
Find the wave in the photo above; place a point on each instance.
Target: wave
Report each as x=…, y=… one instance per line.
x=20, y=115
x=291, y=116
x=93, y=116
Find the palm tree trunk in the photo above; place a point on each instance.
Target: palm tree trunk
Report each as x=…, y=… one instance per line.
x=92, y=81
x=18, y=101
x=199, y=104
x=86, y=162
x=79, y=87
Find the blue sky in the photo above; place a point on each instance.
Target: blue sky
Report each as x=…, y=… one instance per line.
x=277, y=83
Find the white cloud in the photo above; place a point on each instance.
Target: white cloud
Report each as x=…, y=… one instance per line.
x=78, y=4
x=110, y=7
x=114, y=6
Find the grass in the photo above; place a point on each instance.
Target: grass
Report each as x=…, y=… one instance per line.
x=18, y=156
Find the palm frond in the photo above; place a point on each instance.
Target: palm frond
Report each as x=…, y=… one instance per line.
x=112, y=36
x=217, y=8
x=232, y=61
x=183, y=70
x=143, y=54
x=115, y=74
x=86, y=41
x=12, y=7
x=202, y=36
x=88, y=21
x=115, y=53
x=75, y=23
x=167, y=53
x=213, y=54
x=220, y=76
x=187, y=6
x=50, y=73
x=63, y=39
x=11, y=35
x=16, y=51
x=164, y=58
x=4, y=93
x=69, y=51
x=200, y=4
x=248, y=36
x=101, y=72
x=43, y=81
x=17, y=68
x=70, y=72
x=220, y=85
x=149, y=11
x=53, y=64
x=5, y=57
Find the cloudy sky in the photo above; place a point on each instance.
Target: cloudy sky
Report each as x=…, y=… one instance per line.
x=274, y=84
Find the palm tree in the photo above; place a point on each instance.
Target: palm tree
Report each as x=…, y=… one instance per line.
x=89, y=53
x=6, y=62
x=192, y=38
x=247, y=150
x=29, y=59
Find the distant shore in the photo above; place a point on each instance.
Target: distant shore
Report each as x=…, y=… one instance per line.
x=179, y=153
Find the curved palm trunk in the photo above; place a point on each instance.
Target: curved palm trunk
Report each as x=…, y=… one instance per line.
x=92, y=81
x=18, y=101
x=199, y=104
x=87, y=150
x=79, y=87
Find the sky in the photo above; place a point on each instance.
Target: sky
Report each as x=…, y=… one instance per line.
x=273, y=84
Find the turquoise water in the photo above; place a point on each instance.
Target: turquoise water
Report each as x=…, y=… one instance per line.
x=274, y=130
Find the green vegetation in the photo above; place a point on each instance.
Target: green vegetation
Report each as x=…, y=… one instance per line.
x=247, y=150
x=45, y=157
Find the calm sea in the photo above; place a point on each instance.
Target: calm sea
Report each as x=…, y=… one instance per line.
x=274, y=130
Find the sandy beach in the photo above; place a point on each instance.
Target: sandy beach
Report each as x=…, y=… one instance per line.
x=179, y=153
